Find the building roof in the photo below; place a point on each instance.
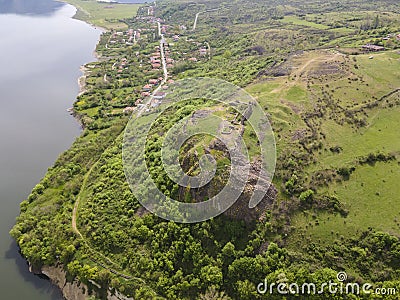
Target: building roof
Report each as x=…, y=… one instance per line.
x=373, y=47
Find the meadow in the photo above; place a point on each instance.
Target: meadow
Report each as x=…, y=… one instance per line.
x=371, y=192
x=104, y=15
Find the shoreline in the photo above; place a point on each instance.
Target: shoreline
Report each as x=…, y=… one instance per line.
x=82, y=80
x=82, y=88
x=56, y=274
x=83, y=68
x=78, y=9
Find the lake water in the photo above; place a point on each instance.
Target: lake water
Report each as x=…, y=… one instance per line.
x=41, y=50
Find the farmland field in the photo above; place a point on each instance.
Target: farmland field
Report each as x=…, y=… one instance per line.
x=105, y=15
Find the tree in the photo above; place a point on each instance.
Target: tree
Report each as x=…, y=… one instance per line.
x=307, y=196
x=68, y=254
x=228, y=253
x=74, y=268
x=246, y=290
x=227, y=54
x=211, y=275
x=104, y=277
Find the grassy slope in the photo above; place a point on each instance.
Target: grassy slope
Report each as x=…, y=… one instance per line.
x=372, y=191
x=370, y=195
x=297, y=21
x=103, y=14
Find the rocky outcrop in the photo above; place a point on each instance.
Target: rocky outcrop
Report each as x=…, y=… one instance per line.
x=74, y=290
x=256, y=182
x=241, y=209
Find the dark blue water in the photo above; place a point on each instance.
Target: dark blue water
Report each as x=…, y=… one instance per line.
x=41, y=50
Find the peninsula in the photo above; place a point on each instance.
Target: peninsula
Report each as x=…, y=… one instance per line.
x=328, y=78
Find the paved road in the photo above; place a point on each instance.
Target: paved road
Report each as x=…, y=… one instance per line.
x=197, y=17
x=195, y=21
x=164, y=65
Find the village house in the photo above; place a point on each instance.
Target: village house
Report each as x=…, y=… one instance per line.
x=374, y=48
x=193, y=59
x=203, y=51
x=159, y=95
x=145, y=94
x=153, y=81
x=155, y=60
x=147, y=88
x=128, y=110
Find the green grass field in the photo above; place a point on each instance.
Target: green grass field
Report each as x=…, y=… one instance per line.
x=104, y=15
x=371, y=195
x=297, y=21
x=382, y=134
x=372, y=198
